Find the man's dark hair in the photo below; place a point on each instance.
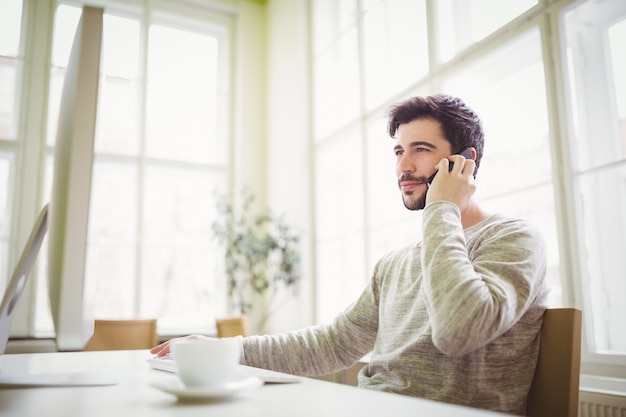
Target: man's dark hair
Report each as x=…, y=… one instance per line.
x=460, y=125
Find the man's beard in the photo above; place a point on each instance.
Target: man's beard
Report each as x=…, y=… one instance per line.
x=411, y=199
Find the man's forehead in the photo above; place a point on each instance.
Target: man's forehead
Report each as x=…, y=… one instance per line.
x=421, y=132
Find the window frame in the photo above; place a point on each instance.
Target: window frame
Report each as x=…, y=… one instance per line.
x=544, y=15
x=573, y=234
x=30, y=150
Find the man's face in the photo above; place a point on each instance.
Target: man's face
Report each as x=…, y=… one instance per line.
x=420, y=145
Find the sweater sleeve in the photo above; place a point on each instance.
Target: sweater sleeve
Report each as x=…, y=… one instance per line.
x=477, y=290
x=321, y=349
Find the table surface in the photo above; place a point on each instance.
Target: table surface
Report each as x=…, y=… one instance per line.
x=133, y=395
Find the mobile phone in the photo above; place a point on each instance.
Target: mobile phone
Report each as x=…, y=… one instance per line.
x=465, y=152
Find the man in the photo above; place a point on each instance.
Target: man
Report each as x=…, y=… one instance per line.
x=453, y=318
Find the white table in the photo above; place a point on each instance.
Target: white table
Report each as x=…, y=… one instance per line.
x=133, y=395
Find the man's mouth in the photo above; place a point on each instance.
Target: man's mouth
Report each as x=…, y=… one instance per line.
x=408, y=184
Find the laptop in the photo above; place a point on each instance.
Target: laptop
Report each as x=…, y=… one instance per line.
x=17, y=283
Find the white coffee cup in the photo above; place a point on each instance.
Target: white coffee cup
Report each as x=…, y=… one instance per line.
x=206, y=362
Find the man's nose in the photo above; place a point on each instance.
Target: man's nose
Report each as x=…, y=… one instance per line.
x=405, y=164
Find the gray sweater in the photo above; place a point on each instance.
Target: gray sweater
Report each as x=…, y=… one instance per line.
x=455, y=318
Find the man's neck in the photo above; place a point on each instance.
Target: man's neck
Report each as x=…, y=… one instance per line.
x=473, y=214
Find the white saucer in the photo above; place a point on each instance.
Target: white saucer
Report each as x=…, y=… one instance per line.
x=176, y=387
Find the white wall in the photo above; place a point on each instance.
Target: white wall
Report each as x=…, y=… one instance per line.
x=249, y=106
x=272, y=128
x=289, y=179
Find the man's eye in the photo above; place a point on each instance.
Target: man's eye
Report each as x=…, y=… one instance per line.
x=398, y=152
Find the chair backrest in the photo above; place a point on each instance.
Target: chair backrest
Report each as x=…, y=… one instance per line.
x=123, y=335
x=232, y=326
x=554, y=390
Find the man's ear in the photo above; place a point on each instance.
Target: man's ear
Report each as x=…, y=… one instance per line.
x=473, y=152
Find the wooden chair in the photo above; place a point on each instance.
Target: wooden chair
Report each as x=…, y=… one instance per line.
x=123, y=335
x=554, y=390
x=233, y=326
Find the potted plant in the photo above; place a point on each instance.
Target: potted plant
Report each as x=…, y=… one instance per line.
x=261, y=258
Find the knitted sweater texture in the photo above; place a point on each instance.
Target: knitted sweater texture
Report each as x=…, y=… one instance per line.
x=454, y=318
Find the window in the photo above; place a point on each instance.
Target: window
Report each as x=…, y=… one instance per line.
x=10, y=66
x=390, y=30
x=461, y=23
x=571, y=183
x=161, y=159
x=336, y=65
x=5, y=171
x=595, y=34
x=340, y=250
x=511, y=77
